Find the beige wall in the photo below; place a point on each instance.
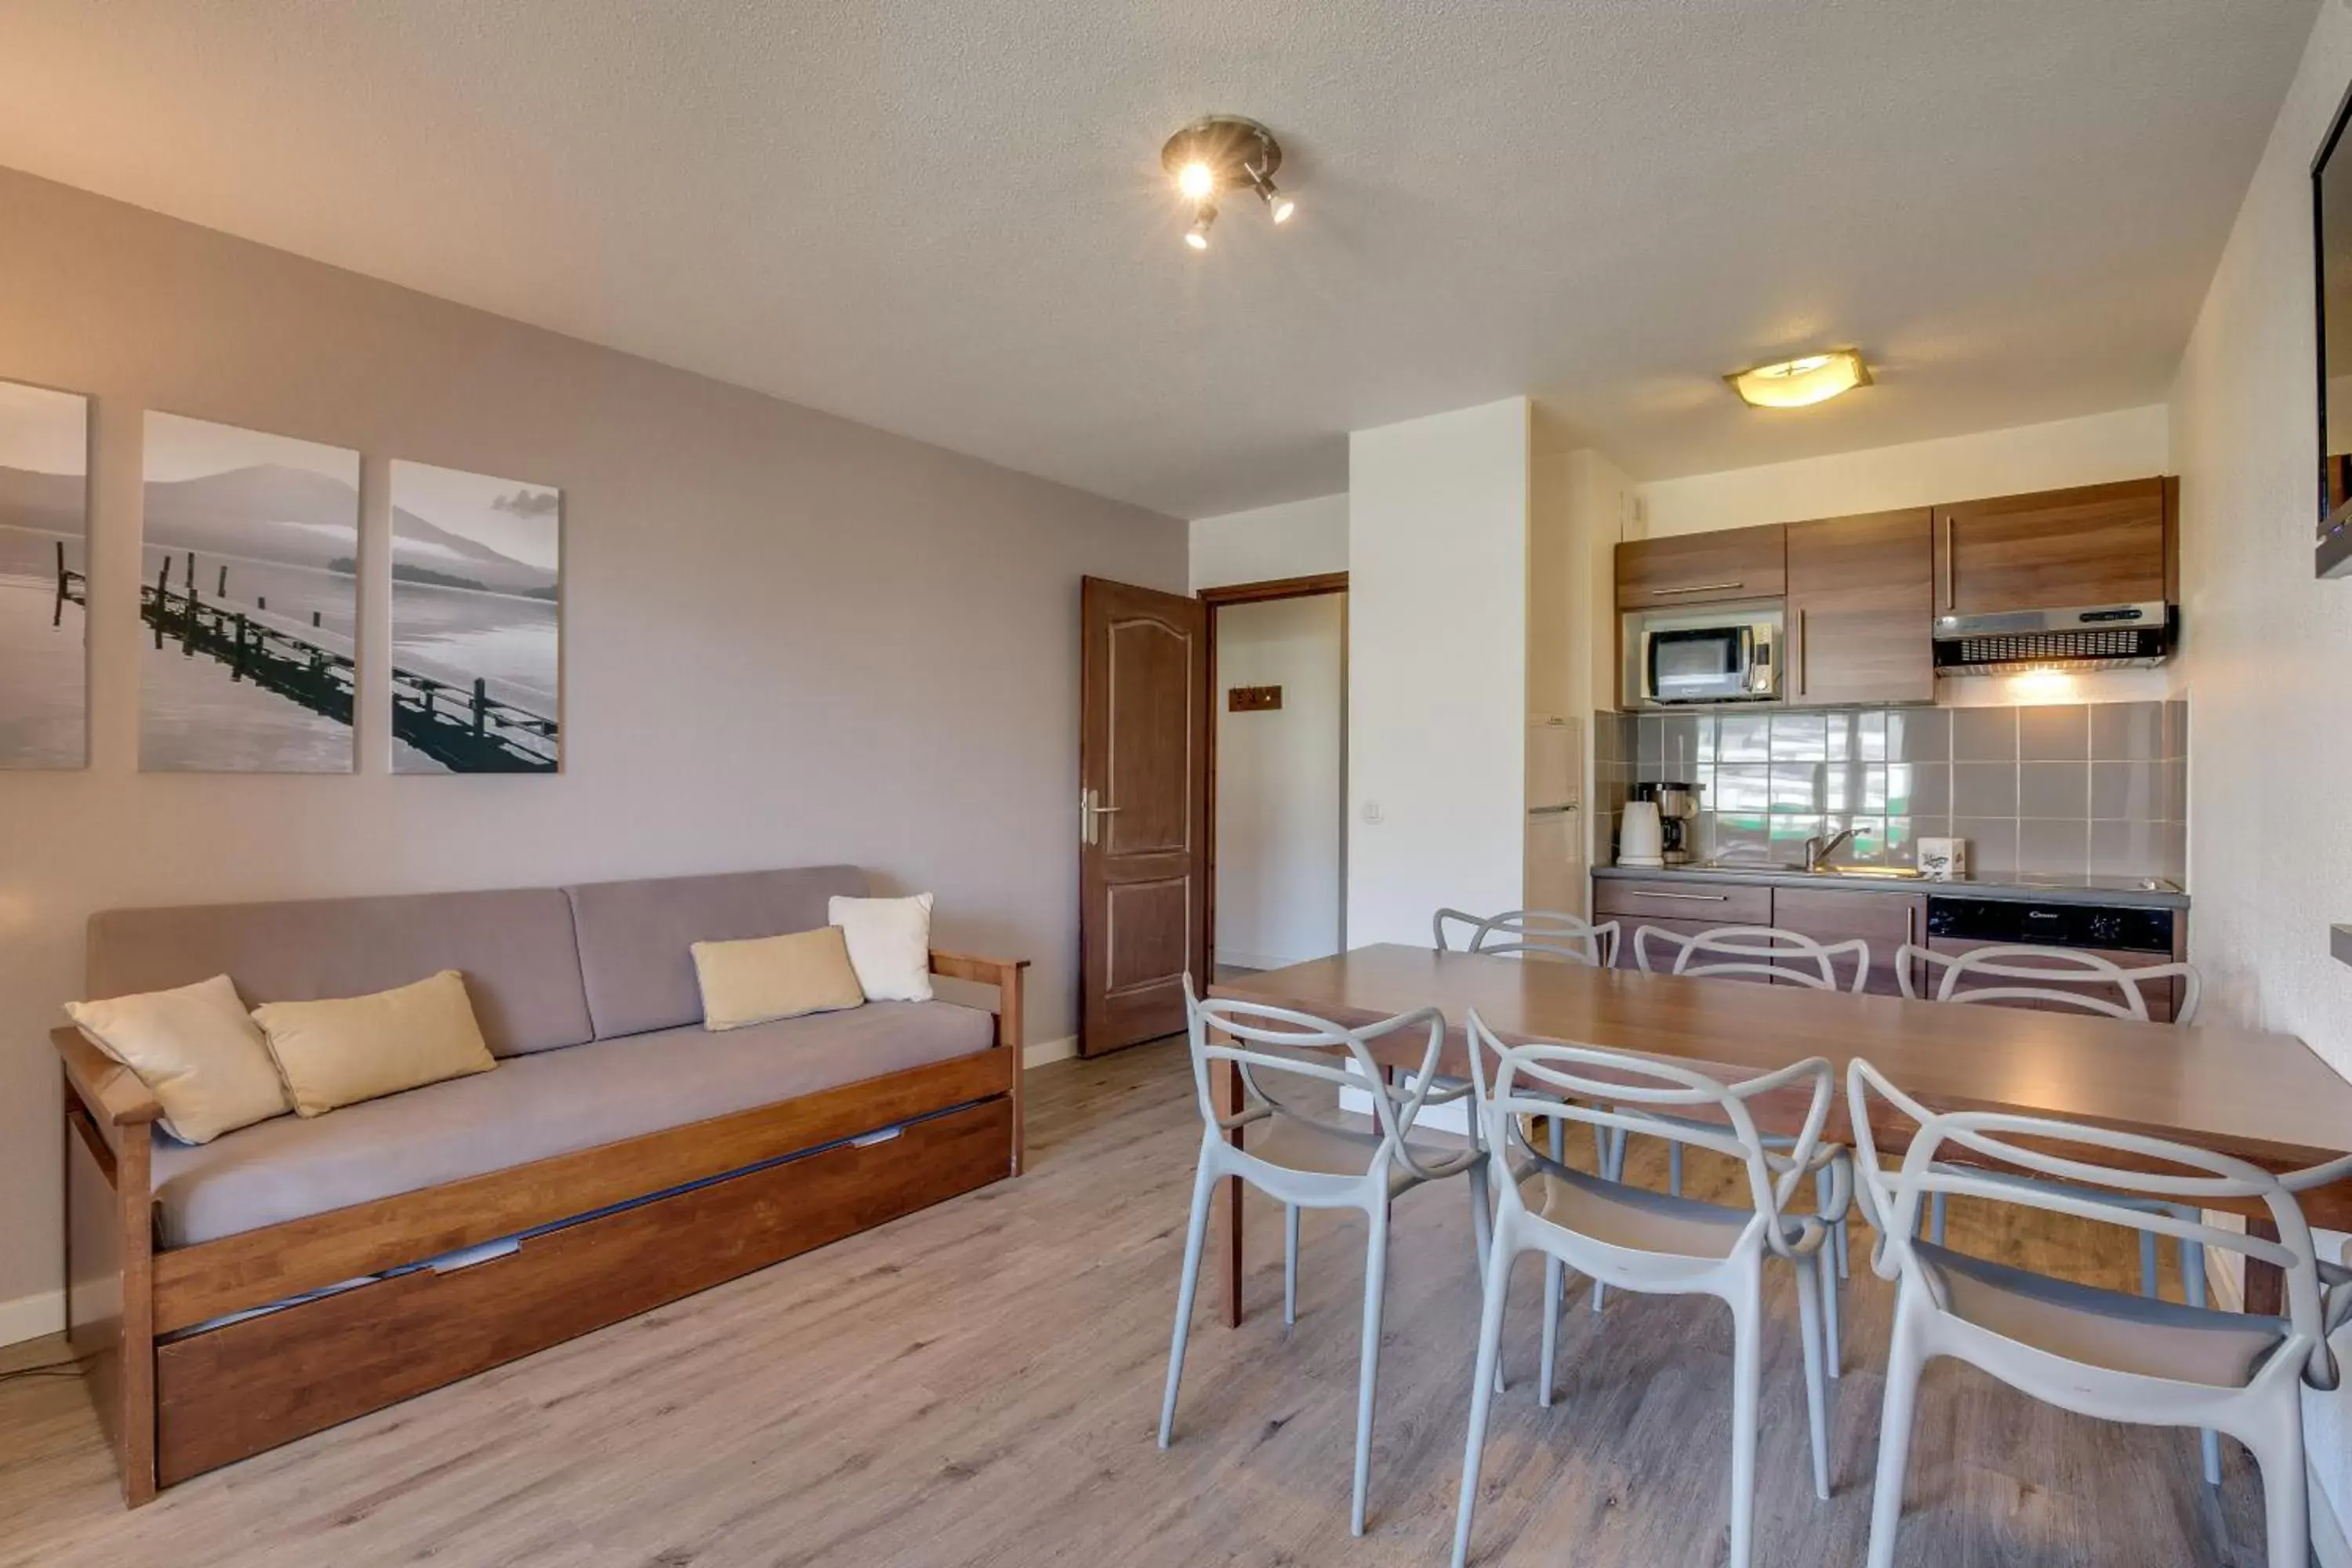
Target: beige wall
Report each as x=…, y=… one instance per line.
x=788, y=638
x=2270, y=755
x=1295, y=539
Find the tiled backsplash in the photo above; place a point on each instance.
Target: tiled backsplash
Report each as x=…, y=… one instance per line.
x=2065, y=789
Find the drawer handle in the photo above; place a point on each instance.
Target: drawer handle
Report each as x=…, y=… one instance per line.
x=871, y=1139
x=1697, y=588
x=1686, y=897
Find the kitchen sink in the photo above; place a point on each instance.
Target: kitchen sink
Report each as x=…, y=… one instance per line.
x=1871, y=873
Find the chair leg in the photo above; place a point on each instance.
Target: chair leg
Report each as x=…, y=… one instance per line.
x=1822, y=1184
x=2147, y=1263
x=2287, y=1505
x=1554, y=1284
x=1936, y=1219
x=1746, y=1388
x=1482, y=1389
x=1290, y=1264
x=1205, y=1185
x=1895, y=1421
x=2192, y=1284
x=1833, y=1329
x=1482, y=1214
x=1376, y=1272
x=1811, y=1281
x=1616, y=1171
x=1675, y=1168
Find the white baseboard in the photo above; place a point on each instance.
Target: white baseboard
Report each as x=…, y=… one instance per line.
x=2329, y=1545
x=1240, y=960
x=1044, y=1051
x=30, y=1317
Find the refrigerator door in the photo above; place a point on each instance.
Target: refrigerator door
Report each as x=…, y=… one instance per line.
x=1555, y=763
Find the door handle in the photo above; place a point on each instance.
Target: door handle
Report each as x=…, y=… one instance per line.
x=1090, y=816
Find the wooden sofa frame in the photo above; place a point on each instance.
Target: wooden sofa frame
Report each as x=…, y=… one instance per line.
x=791, y=1176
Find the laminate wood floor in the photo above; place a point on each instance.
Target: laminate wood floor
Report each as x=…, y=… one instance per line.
x=978, y=1385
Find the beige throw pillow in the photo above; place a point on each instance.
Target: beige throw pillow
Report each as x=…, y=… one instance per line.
x=773, y=977
x=889, y=945
x=362, y=1048
x=196, y=1050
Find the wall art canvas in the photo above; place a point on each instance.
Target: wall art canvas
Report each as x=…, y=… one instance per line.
x=44, y=556
x=247, y=601
x=477, y=622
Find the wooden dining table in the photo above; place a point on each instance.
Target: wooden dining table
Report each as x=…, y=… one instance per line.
x=2265, y=1097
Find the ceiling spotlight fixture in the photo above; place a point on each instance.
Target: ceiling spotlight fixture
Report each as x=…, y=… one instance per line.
x=1197, y=236
x=1220, y=154
x=1801, y=383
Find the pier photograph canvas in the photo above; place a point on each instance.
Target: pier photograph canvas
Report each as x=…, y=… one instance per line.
x=43, y=555
x=476, y=621
x=248, y=601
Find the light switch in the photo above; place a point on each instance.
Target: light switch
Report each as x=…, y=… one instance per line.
x=1372, y=810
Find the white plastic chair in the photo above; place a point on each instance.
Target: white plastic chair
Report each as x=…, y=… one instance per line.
x=1653, y=1242
x=2062, y=978
x=1307, y=1160
x=1761, y=951
x=2102, y=1353
x=1534, y=933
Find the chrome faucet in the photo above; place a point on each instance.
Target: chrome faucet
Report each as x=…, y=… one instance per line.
x=1817, y=849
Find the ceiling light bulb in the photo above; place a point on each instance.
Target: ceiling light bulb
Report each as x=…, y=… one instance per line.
x=1197, y=181
x=1801, y=383
x=1197, y=236
x=1277, y=203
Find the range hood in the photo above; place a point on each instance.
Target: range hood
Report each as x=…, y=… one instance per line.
x=2099, y=637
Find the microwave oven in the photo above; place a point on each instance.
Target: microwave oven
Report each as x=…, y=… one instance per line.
x=1732, y=655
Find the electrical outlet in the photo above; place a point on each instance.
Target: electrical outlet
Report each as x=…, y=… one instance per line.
x=1373, y=811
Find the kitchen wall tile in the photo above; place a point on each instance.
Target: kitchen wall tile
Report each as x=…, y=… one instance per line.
x=1924, y=789
x=1740, y=837
x=1845, y=786
x=2054, y=849
x=1800, y=737
x=2054, y=732
x=1984, y=734
x=2175, y=797
x=1902, y=841
x=1984, y=789
x=2054, y=790
x=1650, y=742
x=2175, y=728
x=1919, y=735
x=2127, y=792
x=1742, y=787
x=2127, y=731
x=2126, y=849
x=1743, y=738
x=1703, y=726
x=1868, y=845
x=1679, y=754
x=2172, y=851
x=1796, y=787
x=1992, y=844
x=1840, y=743
x=1790, y=831
x=1870, y=736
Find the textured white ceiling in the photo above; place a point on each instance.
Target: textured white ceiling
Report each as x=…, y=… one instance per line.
x=947, y=220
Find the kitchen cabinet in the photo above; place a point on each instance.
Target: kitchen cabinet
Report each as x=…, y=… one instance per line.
x=2097, y=544
x=1701, y=568
x=1885, y=919
x=1860, y=609
x=2163, y=998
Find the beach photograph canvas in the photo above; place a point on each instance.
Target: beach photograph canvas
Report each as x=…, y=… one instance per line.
x=476, y=621
x=247, y=601
x=44, y=555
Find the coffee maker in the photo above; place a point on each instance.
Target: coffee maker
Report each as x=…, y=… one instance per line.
x=1678, y=814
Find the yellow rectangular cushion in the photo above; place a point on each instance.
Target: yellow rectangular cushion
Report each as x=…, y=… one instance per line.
x=197, y=1051
x=362, y=1047
x=772, y=977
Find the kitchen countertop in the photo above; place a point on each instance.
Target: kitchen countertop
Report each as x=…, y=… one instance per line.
x=2113, y=891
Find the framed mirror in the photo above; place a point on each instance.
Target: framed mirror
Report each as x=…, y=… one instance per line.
x=2331, y=222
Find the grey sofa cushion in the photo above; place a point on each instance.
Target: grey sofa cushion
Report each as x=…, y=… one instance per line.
x=515, y=948
x=536, y=1106
x=635, y=937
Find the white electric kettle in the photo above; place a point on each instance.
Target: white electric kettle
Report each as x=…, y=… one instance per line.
x=1639, y=840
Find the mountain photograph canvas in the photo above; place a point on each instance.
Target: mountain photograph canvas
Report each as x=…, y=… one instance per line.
x=248, y=601
x=477, y=622
x=44, y=556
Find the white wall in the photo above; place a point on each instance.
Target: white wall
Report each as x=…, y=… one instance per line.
x=2264, y=644
x=1280, y=782
x=1437, y=572
x=1297, y=538
x=2129, y=444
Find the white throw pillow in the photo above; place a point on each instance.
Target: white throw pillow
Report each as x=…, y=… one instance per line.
x=889, y=945
x=197, y=1051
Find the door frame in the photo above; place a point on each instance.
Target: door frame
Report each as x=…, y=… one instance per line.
x=1215, y=599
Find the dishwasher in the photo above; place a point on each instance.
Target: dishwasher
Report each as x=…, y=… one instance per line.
x=2130, y=935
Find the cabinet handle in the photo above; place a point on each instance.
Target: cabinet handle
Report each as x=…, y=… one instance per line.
x=1804, y=656
x=1685, y=898
x=1697, y=588
x=1944, y=559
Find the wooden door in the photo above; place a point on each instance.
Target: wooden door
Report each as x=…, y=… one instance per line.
x=1861, y=609
x=1143, y=812
x=1701, y=568
x=2097, y=544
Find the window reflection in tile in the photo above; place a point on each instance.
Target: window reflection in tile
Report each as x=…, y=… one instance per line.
x=1800, y=737
x=1744, y=738
x=1795, y=787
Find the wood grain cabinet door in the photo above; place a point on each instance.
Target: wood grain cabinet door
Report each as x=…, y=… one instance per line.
x=1701, y=568
x=1860, y=609
x=2098, y=544
x=1886, y=920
